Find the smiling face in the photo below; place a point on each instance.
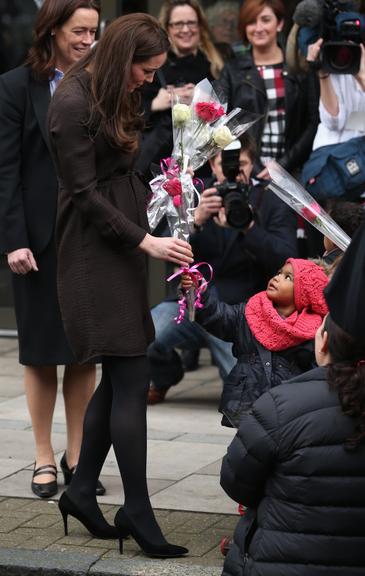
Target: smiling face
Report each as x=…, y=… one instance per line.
x=280, y=289
x=262, y=31
x=142, y=72
x=75, y=37
x=183, y=29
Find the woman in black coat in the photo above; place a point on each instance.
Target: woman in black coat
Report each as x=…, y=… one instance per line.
x=64, y=32
x=259, y=81
x=298, y=460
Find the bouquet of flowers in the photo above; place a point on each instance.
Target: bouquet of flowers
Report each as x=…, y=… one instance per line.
x=293, y=194
x=200, y=130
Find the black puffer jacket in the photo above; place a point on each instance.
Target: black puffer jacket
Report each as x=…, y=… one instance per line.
x=257, y=369
x=288, y=461
x=243, y=86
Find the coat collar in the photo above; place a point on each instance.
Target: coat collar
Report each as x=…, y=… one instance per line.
x=318, y=373
x=41, y=96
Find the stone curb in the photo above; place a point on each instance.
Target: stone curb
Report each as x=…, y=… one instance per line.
x=45, y=563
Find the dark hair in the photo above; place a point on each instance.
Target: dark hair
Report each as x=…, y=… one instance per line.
x=53, y=14
x=248, y=145
x=250, y=9
x=348, y=215
x=130, y=39
x=347, y=376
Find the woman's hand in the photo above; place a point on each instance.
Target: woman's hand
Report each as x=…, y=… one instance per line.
x=169, y=249
x=314, y=51
x=360, y=76
x=22, y=261
x=210, y=203
x=162, y=101
x=185, y=93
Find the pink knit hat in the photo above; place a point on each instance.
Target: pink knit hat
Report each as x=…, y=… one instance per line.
x=309, y=283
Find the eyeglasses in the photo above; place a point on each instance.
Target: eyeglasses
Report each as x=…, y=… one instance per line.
x=191, y=24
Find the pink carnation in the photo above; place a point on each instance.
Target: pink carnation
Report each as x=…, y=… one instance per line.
x=209, y=111
x=311, y=212
x=174, y=189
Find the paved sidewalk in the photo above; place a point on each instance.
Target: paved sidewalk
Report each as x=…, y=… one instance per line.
x=185, y=445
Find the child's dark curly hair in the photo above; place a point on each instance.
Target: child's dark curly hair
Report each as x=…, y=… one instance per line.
x=348, y=215
x=346, y=374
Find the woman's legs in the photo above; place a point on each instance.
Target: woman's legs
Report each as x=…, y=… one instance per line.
x=78, y=388
x=41, y=390
x=117, y=414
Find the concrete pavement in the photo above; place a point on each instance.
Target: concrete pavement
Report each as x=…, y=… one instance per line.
x=185, y=445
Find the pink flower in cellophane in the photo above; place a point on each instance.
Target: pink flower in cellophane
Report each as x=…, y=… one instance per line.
x=311, y=212
x=209, y=111
x=174, y=189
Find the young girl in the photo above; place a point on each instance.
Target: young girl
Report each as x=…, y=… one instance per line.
x=272, y=333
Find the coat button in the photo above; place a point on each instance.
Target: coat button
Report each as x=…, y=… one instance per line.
x=267, y=363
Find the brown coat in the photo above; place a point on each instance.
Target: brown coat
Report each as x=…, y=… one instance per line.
x=102, y=274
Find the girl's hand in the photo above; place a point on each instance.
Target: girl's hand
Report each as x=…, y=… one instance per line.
x=168, y=249
x=186, y=281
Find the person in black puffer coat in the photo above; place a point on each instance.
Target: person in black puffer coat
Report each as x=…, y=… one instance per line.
x=259, y=81
x=299, y=459
x=271, y=333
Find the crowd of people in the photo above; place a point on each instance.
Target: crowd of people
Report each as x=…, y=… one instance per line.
x=82, y=123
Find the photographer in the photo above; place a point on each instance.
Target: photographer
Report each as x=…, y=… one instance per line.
x=242, y=259
x=340, y=96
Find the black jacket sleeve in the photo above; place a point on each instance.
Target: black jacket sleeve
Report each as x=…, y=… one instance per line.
x=13, y=226
x=218, y=318
x=251, y=454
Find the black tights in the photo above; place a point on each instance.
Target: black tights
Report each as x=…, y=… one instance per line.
x=116, y=416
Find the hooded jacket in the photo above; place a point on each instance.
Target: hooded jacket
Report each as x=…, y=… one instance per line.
x=288, y=462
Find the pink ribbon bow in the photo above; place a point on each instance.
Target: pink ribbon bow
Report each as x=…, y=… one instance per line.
x=199, y=283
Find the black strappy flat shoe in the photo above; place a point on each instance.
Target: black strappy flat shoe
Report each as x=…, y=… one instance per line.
x=48, y=489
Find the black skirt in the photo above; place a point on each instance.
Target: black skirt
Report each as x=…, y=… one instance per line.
x=42, y=339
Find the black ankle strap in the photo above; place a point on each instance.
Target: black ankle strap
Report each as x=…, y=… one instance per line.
x=46, y=469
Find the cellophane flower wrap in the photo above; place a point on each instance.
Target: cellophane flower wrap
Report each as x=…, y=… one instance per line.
x=200, y=130
x=297, y=197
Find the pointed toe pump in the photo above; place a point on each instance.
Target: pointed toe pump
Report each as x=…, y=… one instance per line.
x=97, y=527
x=67, y=474
x=125, y=527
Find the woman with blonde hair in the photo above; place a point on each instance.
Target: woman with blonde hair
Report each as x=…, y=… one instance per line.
x=191, y=58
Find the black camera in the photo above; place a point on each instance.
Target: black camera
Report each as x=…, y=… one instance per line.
x=343, y=30
x=235, y=195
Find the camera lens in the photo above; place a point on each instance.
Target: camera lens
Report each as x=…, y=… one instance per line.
x=343, y=57
x=238, y=212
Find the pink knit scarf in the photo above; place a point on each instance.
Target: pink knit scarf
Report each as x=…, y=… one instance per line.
x=277, y=333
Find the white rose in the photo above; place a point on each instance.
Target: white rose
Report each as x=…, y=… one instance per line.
x=223, y=136
x=181, y=113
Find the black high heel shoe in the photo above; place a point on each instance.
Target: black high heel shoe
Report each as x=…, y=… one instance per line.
x=67, y=474
x=48, y=489
x=125, y=527
x=68, y=508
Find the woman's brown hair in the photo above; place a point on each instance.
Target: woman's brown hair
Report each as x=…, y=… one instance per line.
x=130, y=39
x=250, y=9
x=53, y=14
x=206, y=43
x=346, y=374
